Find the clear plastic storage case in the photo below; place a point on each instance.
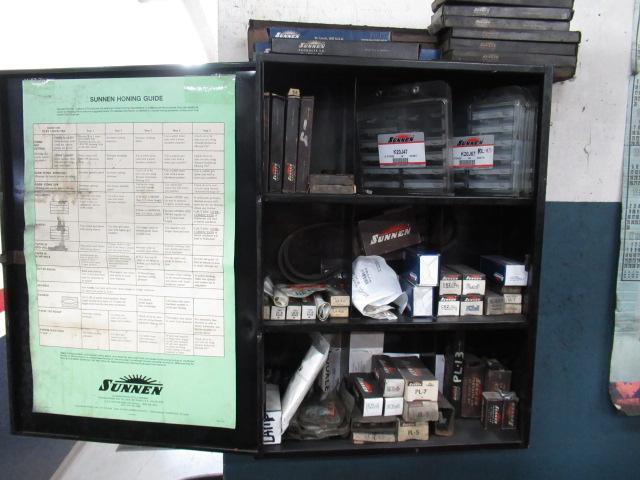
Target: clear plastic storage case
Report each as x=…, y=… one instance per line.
x=421, y=110
x=510, y=115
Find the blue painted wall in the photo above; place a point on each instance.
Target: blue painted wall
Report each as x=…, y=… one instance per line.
x=576, y=432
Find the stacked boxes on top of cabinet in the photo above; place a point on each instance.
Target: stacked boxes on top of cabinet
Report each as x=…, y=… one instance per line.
x=529, y=32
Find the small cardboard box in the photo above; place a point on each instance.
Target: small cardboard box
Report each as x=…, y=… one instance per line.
x=338, y=297
x=391, y=231
x=368, y=394
x=420, y=411
x=450, y=282
x=492, y=411
x=420, y=299
x=419, y=382
x=510, y=411
x=388, y=376
x=497, y=377
x=504, y=271
x=513, y=298
x=449, y=306
x=498, y=288
x=513, y=309
x=294, y=310
x=272, y=423
x=393, y=406
x=278, y=313
x=473, y=281
x=309, y=311
x=493, y=303
x=422, y=267
x=412, y=430
x=339, y=312
x=471, y=304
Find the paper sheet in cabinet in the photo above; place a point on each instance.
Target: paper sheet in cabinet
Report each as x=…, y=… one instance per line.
x=624, y=381
x=129, y=245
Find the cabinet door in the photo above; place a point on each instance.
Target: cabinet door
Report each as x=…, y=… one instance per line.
x=139, y=326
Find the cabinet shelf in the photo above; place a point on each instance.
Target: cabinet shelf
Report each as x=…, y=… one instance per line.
x=468, y=434
x=363, y=199
x=471, y=322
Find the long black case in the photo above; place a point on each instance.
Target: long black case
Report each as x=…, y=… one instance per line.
x=564, y=66
x=305, y=137
x=290, y=169
x=392, y=50
x=501, y=46
x=276, y=143
x=522, y=3
x=440, y=21
x=531, y=13
x=514, y=35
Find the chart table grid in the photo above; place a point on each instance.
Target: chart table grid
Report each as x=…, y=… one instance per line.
x=129, y=236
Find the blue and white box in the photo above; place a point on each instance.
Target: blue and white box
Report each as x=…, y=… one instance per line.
x=422, y=267
x=420, y=299
x=353, y=35
x=504, y=271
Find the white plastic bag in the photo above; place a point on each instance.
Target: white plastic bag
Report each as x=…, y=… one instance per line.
x=375, y=288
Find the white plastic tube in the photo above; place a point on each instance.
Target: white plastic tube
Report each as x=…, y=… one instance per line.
x=303, y=379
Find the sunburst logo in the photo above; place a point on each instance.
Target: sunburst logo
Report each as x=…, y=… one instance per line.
x=139, y=379
x=139, y=384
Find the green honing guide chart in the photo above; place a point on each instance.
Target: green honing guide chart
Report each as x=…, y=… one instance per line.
x=129, y=245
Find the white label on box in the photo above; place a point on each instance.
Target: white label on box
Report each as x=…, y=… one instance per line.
x=473, y=286
x=278, y=313
x=427, y=390
x=294, y=312
x=272, y=427
x=393, y=387
x=429, y=269
x=450, y=287
x=512, y=298
x=372, y=407
x=308, y=312
x=401, y=150
x=473, y=152
x=471, y=308
x=393, y=406
x=413, y=431
x=516, y=276
x=448, y=308
x=512, y=308
x=422, y=302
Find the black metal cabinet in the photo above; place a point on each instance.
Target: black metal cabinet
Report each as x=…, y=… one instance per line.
x=262, y=221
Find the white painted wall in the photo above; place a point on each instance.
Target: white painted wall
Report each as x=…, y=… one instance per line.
x=588, y=115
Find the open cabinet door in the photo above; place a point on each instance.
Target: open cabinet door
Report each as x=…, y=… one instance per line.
x=129, y=239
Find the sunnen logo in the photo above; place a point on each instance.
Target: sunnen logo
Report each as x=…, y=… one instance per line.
x=132, y=384
x=311, y=45
x=401, y=138
x=391, y=233
x=470, y=141
x=288, y=34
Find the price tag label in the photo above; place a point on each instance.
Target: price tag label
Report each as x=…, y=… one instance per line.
x=401, y=150
x=475, y=151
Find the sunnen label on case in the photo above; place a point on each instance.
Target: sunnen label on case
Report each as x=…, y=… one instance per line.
x=402, y=150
